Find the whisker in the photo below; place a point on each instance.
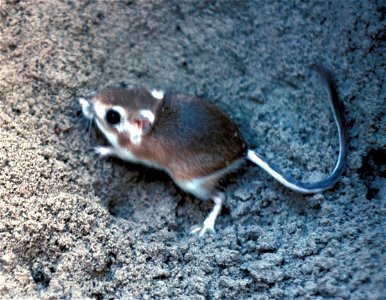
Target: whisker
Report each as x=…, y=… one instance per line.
x=89, y=128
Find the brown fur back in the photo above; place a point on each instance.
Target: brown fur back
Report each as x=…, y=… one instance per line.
x=191, y=138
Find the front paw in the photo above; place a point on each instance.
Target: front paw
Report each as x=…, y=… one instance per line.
x=101, y=151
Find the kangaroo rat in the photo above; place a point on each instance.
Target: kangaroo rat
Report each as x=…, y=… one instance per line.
x=190, y=139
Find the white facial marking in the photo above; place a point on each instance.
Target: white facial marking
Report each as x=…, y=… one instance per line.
x=111, y=137
x=134, y=133
x=121, y=126
x=135, y=139
x=83, y=102
x=122, y=152
x=147, y=114
x=119, y=109
x=100, y=110
x=119, y=151
x=86, y=108
x=159, y=95
x=103, y=151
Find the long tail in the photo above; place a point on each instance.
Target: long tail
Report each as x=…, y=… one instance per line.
x=305, y=187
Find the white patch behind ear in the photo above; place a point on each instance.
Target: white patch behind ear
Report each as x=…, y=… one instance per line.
x=159, y=95
x=147, y=114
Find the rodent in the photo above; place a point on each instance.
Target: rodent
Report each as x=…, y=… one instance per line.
x=191, y=139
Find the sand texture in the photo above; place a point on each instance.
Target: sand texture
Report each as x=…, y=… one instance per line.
x=73, y=226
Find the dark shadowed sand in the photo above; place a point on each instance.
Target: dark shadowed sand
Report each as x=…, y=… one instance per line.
x=73, y=226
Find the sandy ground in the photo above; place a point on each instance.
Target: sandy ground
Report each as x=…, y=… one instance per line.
x=73, y=226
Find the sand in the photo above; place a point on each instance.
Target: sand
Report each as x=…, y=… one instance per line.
x=74, y=226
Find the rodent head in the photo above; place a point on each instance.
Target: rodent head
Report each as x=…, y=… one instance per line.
x=126, y=113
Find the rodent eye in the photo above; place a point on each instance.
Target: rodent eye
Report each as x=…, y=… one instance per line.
x=113, y=117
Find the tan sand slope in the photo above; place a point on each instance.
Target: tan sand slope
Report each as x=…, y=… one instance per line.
x=73, y=226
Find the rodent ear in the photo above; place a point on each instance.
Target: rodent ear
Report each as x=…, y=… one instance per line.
x=142, y=122
x=140, y=125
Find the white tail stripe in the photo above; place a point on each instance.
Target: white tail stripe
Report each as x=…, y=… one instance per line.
x=251, y=155
x=306, y=187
